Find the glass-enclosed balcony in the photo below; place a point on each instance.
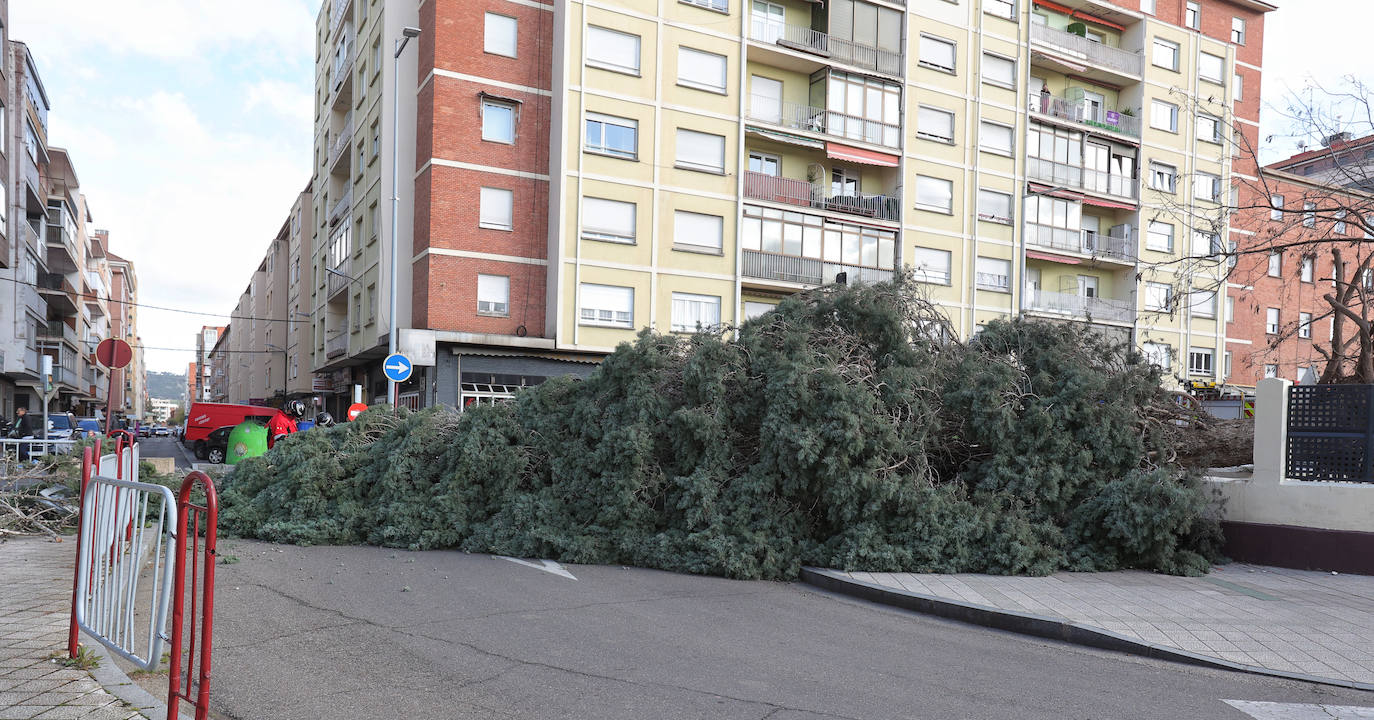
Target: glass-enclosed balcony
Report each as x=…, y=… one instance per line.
x=806, y=249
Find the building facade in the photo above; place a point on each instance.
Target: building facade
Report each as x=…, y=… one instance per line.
x=131, y=384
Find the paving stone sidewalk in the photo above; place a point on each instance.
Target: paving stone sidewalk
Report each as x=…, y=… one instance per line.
x=1294, y=621
x=35, y=599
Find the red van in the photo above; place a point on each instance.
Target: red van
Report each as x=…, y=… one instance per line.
x=205, y=418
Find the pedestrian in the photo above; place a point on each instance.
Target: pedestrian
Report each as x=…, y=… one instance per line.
x=1044, y=99
x=23, y=427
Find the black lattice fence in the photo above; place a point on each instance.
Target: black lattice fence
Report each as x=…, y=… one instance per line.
x=1331, y=433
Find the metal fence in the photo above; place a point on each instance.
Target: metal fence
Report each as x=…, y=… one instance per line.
x=1330, y=433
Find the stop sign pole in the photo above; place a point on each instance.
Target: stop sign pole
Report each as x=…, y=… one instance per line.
x=113, y=353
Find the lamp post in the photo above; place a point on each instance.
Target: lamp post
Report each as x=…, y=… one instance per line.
x=406, y=34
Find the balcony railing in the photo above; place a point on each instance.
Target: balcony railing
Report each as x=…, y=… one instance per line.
x=1115, y=244
x=1080, y=178
x=337, y=278
x=340, y=143
x=31, y=237
x=1079, y=306
x=819, y=120
x=1082, y=112
x=761, y=186
x=808, y=271
x=336, y=345
x=336, y=14
x=1081, y=48
x=58, y=330
x=343, y=66
x=992, y=281
x=342, y=205
x=842, y=51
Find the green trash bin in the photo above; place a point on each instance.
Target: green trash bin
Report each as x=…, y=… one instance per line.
x=247, y=439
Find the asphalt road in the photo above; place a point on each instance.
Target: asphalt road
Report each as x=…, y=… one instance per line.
x=166, y=447
x=376, y=633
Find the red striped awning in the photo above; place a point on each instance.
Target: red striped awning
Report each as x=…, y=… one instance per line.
x=859, y=155
x=1052, y=258
x=1107, y=203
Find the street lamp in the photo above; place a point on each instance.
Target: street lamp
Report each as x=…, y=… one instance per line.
x=406, y=34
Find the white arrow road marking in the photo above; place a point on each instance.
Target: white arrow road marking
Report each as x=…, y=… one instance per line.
x=554, y=568
x=1285, y=711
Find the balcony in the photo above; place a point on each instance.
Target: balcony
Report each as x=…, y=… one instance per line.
x=761, y=186
x=39, y=247
x=807, y=271
x=1083, y=113
x=343, y=68
x=58, y=330
x=796, y=116
x=341, y=206
x=1079, y=49
x=59, y=293
x=336, y=345
x=1117, y=245
x=1075, y=177
x=835, y=50
x=337, y=278
x=1080, y=307
x=337, y=12
x=60, y=239
x=339, y=146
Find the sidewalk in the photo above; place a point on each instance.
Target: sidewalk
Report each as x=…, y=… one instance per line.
x=35, y=603
x=1285, y=622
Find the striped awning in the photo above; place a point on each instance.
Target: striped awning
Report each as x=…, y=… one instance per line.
x=859, y=155
x=1052, y=257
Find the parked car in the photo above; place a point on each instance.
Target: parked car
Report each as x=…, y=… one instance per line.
x=162, y=431
x=205, y=418
x=145, y=430
x=60, y=426
x=216, y=445
x=88, y=427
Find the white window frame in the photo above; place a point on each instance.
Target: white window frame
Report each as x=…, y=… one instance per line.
x=1204, y=121
x=1238, y=30
x=948, y=207
x=1165, y=45
x=1156, y=106
x=503, y=28
x=605, y=317
x=698, y=140
x=493, y=295
x=1271, y=371
x=1204, y=304
x=1163, y=173
x=510, y=127
x=1001, y=8
x=683, y=300
x=608, y=232
x=1206, y=186
x=995, y=58
x=987, y=129
x=1195, y=364
x=1272, y=321
x=922, y=129
x=992, y=274
x=1275, y=207
x=1192, y=15
x=1152, y=292
x=613, y=121
x=995, y=206
x=489, y=209
x=1151, y=233
x=1305, y=325
x=686, y=220
x=693, y=59
x=603, y=38
x=932, y=265
x=924, y=61
x=1275, y=264
x=1307, y=270
x=1309, y=214
x=1206, y=60
x=1160, y=354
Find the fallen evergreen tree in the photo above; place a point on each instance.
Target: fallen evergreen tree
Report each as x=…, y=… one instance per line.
x=839, y=430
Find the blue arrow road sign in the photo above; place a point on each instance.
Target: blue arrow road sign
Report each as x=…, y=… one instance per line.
x=397, y=367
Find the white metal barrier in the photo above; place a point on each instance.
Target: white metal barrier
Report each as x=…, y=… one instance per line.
x=10, y=449
x=125, y=526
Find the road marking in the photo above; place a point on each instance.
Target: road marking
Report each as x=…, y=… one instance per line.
x=1286, y=711
x=547, y=566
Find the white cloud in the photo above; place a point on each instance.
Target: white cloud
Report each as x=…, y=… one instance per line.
x=290, y=101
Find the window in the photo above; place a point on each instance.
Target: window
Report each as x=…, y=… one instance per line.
x=1163, y=116
x=1271, y=321
x=1160, y=236
x=995, y=138
x=498, y=35
x=1304, y=325
x=1200, y=361
x=1163, y=177
x=695, y=312
x=1211, y=68
x=755, y=309
x=614, y=136
x=701, y=70
x=697, y=230
x=497, y=209
x=1204, y=303
x=700, y=151
x=1208, y=128
x=608, y=220
x=612, y=50
x=998, y=70
x=1238, y=30
x=1230, y=312
x=493, y=295
x=994, y=206
x=1226, y=364
x=1192, y=16
x=1165, y=54
x=1000, y=8
x=1276, y=207
x=1206, y=186
x=719, y=5
x=498, y=122
x=864, y=108
x=932, y=266
x=1206, y=244
x=1159, y=297
x=1367, y=278
x=993, y=274
x=1158, y=354
x=1238, y=83
x=1307, y=268
x=934, y=193
x=376, y=140
x=810, y=236
x=1309, y=215
x=607, y=305
x=1271, y=371
x=1147, y=6
x=935, y=124
x=937, y=53
x=1339, y=228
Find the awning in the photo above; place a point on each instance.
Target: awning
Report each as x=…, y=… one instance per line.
x=1038, y=189
x=859, y=155
x=1052, y=257
x=788, y=138
x=1107, y=203
x=1079, y=14
x=1059, y=59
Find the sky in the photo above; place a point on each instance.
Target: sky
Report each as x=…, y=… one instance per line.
x=189, y=123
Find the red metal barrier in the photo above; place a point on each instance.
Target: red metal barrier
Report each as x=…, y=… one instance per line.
x=189, y=528
x=87, y=463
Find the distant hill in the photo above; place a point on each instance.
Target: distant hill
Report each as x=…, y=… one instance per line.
x=168, y=386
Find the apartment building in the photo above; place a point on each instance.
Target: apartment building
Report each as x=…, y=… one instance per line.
x=131, y=383
x=200, y=380
x=298, y=231
x=583, y=171
x=24, y=134
x=197, y=389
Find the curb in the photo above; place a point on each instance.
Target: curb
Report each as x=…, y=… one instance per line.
x=1041, y=626
x=117, y=683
